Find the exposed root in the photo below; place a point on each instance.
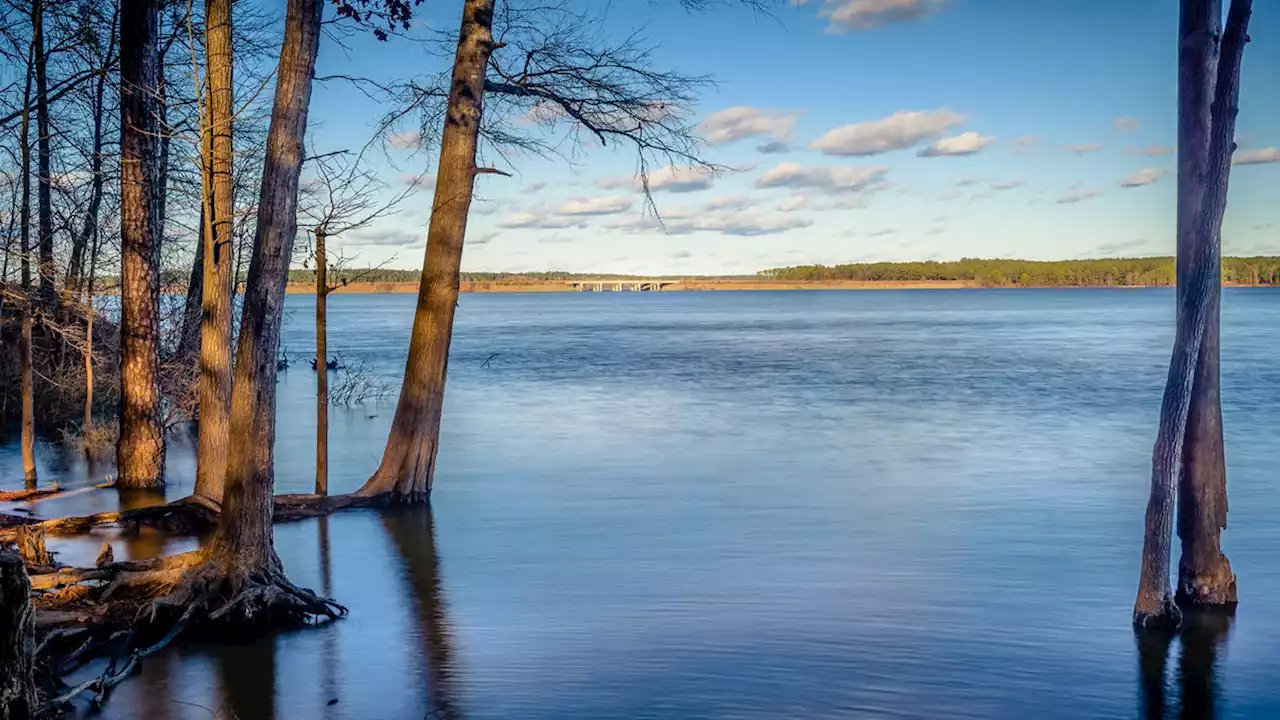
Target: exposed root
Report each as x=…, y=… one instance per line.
x=133, y=610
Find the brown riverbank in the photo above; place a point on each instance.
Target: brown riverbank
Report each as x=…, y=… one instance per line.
x=700, y=285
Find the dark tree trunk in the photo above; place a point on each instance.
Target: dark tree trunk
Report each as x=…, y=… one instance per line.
x=322, y=369
x=24, y=341
x=215, y=316
x=17, y=641
x=44, y=198
x=1204, y=573
x=408, y=462
x=189, y=343
x=1201, y=275
x=243, y=542
x=140, y=451
x=91, y=317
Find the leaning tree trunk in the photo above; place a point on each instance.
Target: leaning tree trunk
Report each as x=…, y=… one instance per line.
x=44, y=198
x=1204, y=573
x=17, y=641
x=189, y=343
x=216, y=237
x=140, y=451
x=1154, y=606
x=322, y=366
x=243, y=543
x=408, y=462
x=24, y=342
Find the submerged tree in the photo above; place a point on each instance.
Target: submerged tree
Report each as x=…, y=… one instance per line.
x=216, y=226
x=1188, y=453
x=550, y=63
x=140, y=452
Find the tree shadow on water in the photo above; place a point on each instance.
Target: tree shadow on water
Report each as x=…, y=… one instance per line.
x=1192, y=692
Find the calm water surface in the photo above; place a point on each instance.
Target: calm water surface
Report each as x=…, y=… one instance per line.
x=745, y=505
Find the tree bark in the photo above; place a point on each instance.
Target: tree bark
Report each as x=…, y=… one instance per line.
x=189, y=343
x=44, y=198
x=91, y=317
x=1208, y=77
x=18, y=699
x=408, y=462
x=140, y=450
x=216, y=236
x=322, y=368
x=24, y=342
x=243, y=540
x=1201, y=272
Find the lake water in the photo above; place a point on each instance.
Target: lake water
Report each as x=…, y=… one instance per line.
x=889, y=504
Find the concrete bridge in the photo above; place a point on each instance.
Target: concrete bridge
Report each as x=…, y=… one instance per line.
x=618, y=285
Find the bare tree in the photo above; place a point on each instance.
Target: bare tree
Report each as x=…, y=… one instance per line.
x=24, y=343
x=342, y=196
x=1209, y=92
x=546, y=60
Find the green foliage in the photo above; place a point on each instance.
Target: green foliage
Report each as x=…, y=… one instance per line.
x=1120, y=272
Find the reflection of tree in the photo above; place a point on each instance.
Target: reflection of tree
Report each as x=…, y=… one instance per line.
x=329, y=656
x=247, y=680
x=1203, y=634
x=412, y=531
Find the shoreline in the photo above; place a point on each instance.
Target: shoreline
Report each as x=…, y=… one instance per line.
x=708, y=285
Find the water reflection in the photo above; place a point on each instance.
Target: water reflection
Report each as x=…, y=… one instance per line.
x=329, y=657
x=247, y=680
x=1204, y=636
x=412, y=531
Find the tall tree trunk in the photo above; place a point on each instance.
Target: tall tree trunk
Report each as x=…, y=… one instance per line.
x=44, y=199
x=243, y=542
x=90, y=226
x=215, y=320
x=408, y=462
x=1204, y=573
x=24, y=342
x=322, y=368
x=1154, y=606
x=86, y=432
x=18, y=699
x=140, y=450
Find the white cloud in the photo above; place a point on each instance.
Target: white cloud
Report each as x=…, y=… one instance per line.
x=672, y=178
x=1257, y=157
x=793, y=203
x=1006, y=184
x=405, y=140
x=963, y=144
x=737, y=123
x=729, y=202
x=1083, y=149
x=421, y=182
x=1078, y=195
x=1126, y=124
x=604, y=205
x=745, y=223
x=1151, y=150
x=1141, y=177
x=899, y=131
x=823, y=177
x=855, y=15
x=387, y=237
x=680, y=179
x=538, y=221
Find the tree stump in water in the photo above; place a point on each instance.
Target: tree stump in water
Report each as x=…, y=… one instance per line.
x=31, y=546
x=17, y=640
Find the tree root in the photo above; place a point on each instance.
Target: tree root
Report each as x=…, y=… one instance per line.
x=134, y=610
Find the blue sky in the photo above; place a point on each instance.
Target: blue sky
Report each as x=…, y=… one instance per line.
x=897, y=130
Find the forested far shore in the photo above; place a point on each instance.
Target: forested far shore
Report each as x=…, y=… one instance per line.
x=1120, y=272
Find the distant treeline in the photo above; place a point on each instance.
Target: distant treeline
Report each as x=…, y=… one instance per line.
x=382, y=275
x=1123, y=272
